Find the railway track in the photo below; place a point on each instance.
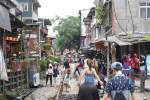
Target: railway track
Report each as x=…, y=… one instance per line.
x=61, y=96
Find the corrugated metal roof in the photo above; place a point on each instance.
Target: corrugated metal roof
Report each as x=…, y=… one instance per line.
x=114, y=39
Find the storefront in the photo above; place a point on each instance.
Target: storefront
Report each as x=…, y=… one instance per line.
x=11, y=44
x=33, y=52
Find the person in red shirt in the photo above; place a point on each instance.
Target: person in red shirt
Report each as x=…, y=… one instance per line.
x=129, y=60
x=135, y=63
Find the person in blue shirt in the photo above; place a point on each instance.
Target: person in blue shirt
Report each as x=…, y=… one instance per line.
x=119, y=87
x=88, y=89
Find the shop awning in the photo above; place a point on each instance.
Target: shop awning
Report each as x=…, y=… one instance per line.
x=4, y=18
x=114, y=39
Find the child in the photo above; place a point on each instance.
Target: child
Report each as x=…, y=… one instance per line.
x=67, y=80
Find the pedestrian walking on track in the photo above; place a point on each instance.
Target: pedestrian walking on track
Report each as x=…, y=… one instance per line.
x=88, y=90
x=49, y=74
x=119, y=87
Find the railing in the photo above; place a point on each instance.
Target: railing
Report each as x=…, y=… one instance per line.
x=16, y=80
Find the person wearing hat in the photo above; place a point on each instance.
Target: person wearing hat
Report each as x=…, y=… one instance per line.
x=49, y=74
x=119, y=87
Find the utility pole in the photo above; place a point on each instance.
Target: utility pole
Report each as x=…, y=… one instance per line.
x=40, y=41
x=80, y=14
x=108, y=51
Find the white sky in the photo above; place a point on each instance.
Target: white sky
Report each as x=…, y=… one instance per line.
x=63, y=8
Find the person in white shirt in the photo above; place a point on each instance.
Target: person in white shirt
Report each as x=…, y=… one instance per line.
x=49, y=74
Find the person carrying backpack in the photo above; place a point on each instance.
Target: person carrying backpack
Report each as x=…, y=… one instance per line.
x=119, y=87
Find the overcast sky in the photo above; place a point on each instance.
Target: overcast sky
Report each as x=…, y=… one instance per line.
x=63, y=8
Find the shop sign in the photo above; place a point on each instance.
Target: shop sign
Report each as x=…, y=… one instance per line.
x=100, y=45
x=10, y=38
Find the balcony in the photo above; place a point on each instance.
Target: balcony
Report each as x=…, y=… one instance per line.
x=16, y=11
x=18, y=6
x=35, y=16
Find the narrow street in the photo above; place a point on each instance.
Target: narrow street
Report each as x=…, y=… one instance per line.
x=111, y=37
x=49, y=93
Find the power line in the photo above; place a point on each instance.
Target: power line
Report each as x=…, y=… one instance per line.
x=118, y=21
x=131, y=15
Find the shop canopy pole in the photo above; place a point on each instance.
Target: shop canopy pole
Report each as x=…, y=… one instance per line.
x=4, y=49
x=108, y=63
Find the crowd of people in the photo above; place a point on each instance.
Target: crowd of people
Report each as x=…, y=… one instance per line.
x=119, y=87
x=91, y=77
x=132, y=65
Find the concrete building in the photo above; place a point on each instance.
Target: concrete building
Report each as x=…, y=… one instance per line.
x=30, y=10
x=125, y=26
x=11, y=44
x=83, y=14
x=133, y=24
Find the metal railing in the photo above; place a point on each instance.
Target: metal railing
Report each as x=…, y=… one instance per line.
x=16, y=80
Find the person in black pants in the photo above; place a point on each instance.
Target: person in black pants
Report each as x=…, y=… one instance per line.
x=77, y=67
x=49, y=74
x=66, y=64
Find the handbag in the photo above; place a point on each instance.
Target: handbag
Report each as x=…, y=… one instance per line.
x=98, y=85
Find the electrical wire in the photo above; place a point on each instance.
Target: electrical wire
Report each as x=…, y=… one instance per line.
x=118, y=21
x=131, y=16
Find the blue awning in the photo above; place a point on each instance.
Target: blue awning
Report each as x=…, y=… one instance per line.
x=4, y=18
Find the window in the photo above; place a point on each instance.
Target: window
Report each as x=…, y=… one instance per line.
x=25, y=6
x=145, y=10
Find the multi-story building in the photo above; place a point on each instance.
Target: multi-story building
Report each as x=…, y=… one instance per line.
x=133, y=24
x=36, y=32
x=11, y=43
x=45, y=41
x=83, y=14
x=32, y=38
x=30, y=10
x=125, y=26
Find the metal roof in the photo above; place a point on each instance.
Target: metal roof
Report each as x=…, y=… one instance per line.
x=114, y=39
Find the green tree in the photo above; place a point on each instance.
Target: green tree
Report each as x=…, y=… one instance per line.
x=69, y=33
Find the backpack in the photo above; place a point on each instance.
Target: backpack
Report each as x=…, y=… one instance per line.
x=119, y=96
